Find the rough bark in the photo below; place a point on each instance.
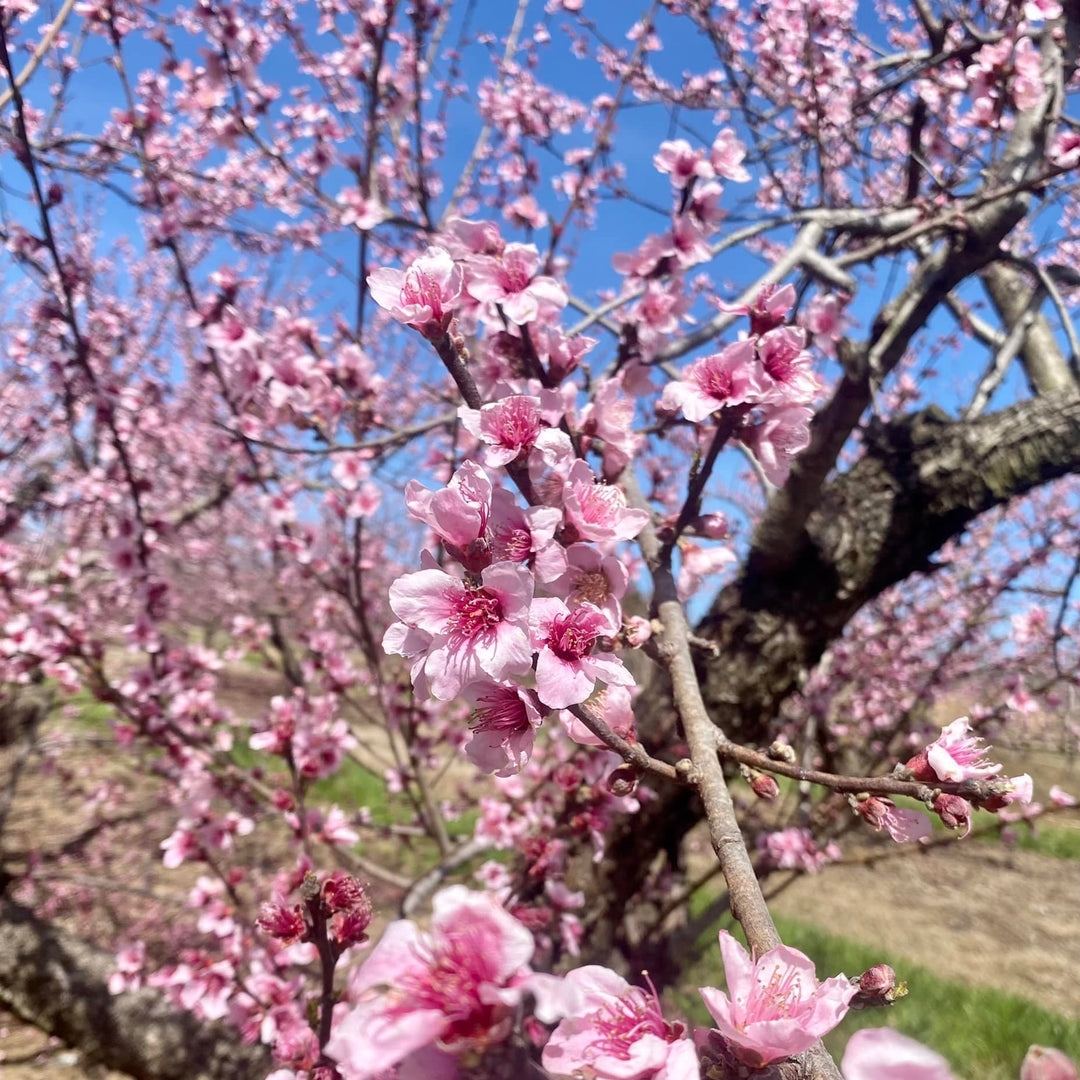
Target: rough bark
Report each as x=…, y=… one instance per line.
x=59, y=983
x=920, y=481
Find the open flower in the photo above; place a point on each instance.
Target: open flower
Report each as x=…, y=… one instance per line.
x=731, y=377
x=424, y=296
x=476, y=632
x=566, y=670
x=457, y=986
x=955, y=755
x=504, y=722
x=776, y=1006
x=618, y=1033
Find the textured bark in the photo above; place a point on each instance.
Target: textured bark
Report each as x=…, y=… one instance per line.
x=60, y=984
x=921, y=480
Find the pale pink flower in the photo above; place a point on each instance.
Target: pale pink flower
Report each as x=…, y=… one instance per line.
x=955, y=755
x=512, y=282
x=697, y=563
x=515, y=534
x=612, y=704
x=599, y=511
x=902, y=825
x=885, y=1054
x=618, y=1032
x=424, y=296
x=464, y=238
x=477, y=632
x=682, y=162
x=455, y=987
x=1046, y=1063
x=504, y=722
x=364, y=213
x=509, y=427
x=774, y=1006
x=796, y=849
x=593, y=578
x=777, y=439
x=610, y=417
x=1060, y=797
x=457, y=513
x=566, y=670
x=731, y=377
x=726, y=156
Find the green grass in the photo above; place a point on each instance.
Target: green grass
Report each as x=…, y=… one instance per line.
x=984, y=1033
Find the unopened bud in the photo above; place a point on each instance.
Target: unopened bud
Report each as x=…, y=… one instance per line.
x=780, y=751
x=764, y=786
x=309, y=887
x=954, y=811
x=623, y=780
x=877, y=981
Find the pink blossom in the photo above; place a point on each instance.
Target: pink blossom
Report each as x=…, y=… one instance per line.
x=509, y=427
x=424, y=296
x=1060, y=797
x=512, y=282
x=476, y=631
x=768, y=309
x=618, y=1032
x=590, y=577
x=1046, y=1063
x=503, y=723
x=902, y=825
x=726, y=156
x=566, y=670
x=885, y=1054
x=457, y=513
x=955, y=755
x=796, y=849
x=791, y=379
x=780, y=436
x=682, y=162
x=776, y=1006
x=455, y=987
x=599, y=511
x=731, y=377
x=612, y=705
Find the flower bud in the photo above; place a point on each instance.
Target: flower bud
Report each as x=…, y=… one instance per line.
x=764, y=786
x=636, y=631
x=954, y=811
x=623, y=780
x=877, y=981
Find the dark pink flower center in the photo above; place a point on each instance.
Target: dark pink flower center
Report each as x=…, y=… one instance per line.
x=516, y=274
x=500, y=712
x=517, y=423
x=600, y=503
x=510, y=544
x=572, y=636
x=622, y=1022
x=715, y=380
x=779, y=363
x=476, y=612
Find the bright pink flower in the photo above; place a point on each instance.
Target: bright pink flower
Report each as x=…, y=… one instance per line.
x=515, y=534
x=599, y=511
x=504, y=722
x=791, y=379
x=731, y=377
x=509, y=427
x=776, y=1006
x=1046, y=1063
x=566, y=670
x=456, y=986
x=477, y=632
x=885, y=1054
x=618, y=1032
x=780, y=436
x=424, y=296
x=955, y=755
x=512, y=282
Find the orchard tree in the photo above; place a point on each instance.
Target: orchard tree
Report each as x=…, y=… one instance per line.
x=598, y=422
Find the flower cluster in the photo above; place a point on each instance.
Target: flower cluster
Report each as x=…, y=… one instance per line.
x=768, y=377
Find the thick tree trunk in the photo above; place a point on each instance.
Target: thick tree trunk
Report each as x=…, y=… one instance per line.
x=921, y=480
x=60, y=984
